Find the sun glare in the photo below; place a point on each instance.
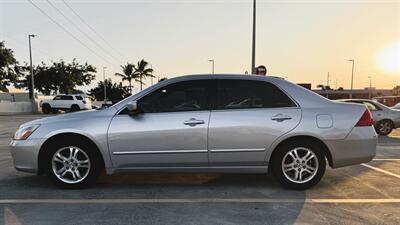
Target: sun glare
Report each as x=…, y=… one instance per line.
x=389, y=58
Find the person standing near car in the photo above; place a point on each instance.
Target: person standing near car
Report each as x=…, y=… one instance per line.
x=261, y=70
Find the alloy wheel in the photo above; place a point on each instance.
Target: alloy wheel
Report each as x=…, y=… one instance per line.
x=300, y=165
x=385, y=127
x=70, y=164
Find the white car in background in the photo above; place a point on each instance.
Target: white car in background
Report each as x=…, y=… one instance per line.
x=397, y=106
x=65, y=103
x=385, y=119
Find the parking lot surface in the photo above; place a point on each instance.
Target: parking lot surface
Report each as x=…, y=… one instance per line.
x=361, y=194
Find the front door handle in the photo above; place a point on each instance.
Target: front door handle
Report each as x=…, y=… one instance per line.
x=281, y=117
x=193, y=122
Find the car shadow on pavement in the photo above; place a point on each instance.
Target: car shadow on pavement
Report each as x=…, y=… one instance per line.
x=154, y=186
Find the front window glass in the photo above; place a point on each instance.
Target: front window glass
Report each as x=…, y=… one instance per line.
x=177, y=97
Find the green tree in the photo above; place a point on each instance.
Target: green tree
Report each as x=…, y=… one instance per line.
x=129, y=74
x=8, y=68
x=143, y=71
x=59, y=77
x=115, y=92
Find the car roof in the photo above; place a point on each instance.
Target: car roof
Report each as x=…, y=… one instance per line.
x=223, y=76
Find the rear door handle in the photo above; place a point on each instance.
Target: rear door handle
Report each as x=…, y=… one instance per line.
x=281, y=117
x=193, y=122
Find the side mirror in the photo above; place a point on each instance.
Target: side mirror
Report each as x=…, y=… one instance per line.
x=132, y=107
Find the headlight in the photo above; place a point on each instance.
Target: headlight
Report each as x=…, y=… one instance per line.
x=24, y=132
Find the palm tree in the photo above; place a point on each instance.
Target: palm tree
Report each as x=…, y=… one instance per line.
x=142, y=70
x=129, y=74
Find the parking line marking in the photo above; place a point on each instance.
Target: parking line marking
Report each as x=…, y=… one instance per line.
x=386, y=160
x=200, y=200
x=381, y=170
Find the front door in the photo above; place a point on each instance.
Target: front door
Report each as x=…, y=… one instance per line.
x=250, y=115
x=170, y=130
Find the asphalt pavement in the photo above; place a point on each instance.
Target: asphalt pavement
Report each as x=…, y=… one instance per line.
x=361, y=194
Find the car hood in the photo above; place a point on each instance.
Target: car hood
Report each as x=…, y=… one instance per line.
x=71, y=116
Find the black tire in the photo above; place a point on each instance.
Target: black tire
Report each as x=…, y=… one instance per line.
x=46, y=108
x=384, y=127
x=303, y=147
x=95, y=162
x=75, y=108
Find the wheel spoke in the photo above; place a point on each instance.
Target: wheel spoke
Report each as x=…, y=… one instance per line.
x=71, y=152
x=63, y=174
x=291, y=155
x=73, y=175
x=289, y=169
x=296, y=175
x=309, y=158
x=296, y=154
x=61, y=156
x=77, y=173
x=75, y=153
x=300, y=175
x=307, y=155
x=61, y=170
x=58, y=160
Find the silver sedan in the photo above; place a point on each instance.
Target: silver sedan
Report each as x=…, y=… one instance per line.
x=385, y=119
x=202, y=123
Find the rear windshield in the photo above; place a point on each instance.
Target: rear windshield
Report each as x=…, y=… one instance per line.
x=78, y=97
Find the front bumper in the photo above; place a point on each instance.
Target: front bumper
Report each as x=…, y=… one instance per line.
x=358, y=147
x=25, y=154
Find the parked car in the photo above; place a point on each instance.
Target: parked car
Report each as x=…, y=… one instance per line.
x=388, y=100
x=385, y=119
x=65, y=102
x=202, y=123
x=397, y=106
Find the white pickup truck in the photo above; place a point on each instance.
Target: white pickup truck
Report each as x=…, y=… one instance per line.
x=65, y=103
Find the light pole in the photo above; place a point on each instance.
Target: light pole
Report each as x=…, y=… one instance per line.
x=327, y=79
x=370, y=87
x=352, y=77
x=212, y=61
x=253, y=53
x=32, y=78
x=104, y=84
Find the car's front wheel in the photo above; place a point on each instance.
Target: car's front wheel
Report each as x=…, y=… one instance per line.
x=73, y=166
x=298, y=166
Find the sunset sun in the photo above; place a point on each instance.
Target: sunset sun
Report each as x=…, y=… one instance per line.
x=389, y=58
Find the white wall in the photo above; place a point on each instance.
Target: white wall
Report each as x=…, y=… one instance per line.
x=7, y=107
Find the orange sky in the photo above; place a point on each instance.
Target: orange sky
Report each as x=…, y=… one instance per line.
x=301, y=40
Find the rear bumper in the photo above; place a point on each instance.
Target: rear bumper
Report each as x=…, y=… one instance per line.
x=358, y=147
x=25, y=154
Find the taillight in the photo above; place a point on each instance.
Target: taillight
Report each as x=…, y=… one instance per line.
x=365, y=120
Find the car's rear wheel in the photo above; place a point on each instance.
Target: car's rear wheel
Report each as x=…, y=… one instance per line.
x=46, y=108
x=74, y=108
x=73, y=165
x=298, y=165
x=384, y=127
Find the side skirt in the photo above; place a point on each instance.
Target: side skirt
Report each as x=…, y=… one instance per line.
x=216, y=169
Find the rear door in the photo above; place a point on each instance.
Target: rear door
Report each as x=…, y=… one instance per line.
x=249, y=116
x=62, y=101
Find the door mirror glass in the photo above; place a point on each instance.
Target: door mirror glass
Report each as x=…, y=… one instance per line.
x=132, y=107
